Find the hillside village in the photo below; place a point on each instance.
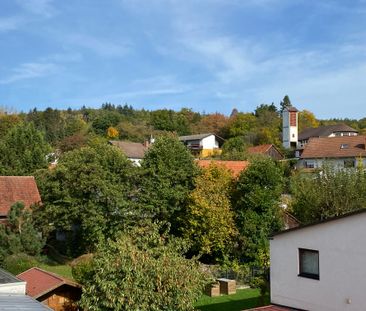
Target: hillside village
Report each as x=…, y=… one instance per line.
x=124, y=209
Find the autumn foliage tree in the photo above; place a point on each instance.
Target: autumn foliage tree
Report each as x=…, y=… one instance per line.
x=209, y=219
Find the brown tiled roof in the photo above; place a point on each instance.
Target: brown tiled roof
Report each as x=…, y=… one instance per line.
x=335, y=147
x=325, y=131
x=40, y=282
x=259, y=149
x=235, y=166
x=15, y=189
x=272, y=308
x=292, y=109
x=130, y=149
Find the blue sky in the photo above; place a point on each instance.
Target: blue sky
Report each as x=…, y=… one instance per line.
x=208, y=55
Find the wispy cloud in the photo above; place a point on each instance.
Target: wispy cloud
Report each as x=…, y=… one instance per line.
x=29, y=71
x=43, y=8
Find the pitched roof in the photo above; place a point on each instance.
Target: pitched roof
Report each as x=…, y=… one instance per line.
x=17, y=189
x=40, y=282
x=272, y=308
x=20, y=302
x=335, y=147
x=7, y=278
x=198, y=137
x=323, y=131
x=292, y=109
x=320, y=222
x=130, y=149
x=235, y=166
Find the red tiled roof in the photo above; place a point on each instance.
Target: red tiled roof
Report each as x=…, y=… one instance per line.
x=40, y=282
x=259, y=149
x=335, y=147
x=272, y=308
x=17, y=189
x=235, y=166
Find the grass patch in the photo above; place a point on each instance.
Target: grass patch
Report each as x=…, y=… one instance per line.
x=48, y=264
x=243, y=299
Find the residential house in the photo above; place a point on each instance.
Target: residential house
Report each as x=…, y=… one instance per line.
x=320, y=267
x=236, y=167
x=339, y=152
x=15, y=189
x=291, y=138
x=335, y=130
x=13, y=297
x=268, y=150
x=51, y=289
x=203, y=145
x=133, y=151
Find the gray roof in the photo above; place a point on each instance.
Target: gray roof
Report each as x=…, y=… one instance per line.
x=130, y=149
x=20, y=303
x=197, y=137
x=324, y=131
x=7, y=278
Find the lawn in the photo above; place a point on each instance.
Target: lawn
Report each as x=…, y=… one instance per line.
x=243, y=299
x=63, y=270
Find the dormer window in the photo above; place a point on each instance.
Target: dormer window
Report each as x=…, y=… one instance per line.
x=344, y=146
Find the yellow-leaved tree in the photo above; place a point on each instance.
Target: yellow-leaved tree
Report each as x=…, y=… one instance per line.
x=209, y=219
x=112, y=132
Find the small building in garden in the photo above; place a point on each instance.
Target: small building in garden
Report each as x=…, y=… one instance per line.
x=268, y=150
x=15, y=189
x=321, y=266
x=203, y=145
x=53, y=290
x=13, y=297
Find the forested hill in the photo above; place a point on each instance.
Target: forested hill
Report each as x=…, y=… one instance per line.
x=70, y=129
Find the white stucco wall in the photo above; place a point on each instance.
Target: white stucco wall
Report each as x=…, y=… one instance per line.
x=336, y=163
x=342, y=266
x=13, y=288
x=209, y=142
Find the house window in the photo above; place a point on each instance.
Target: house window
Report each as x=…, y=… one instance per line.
x=344, y=146
x=309, y=164
x=309, y=263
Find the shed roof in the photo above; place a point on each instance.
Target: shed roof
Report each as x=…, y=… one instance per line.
x=235, y=166
x=41, y=282
x=7, y=278
x=324, y=131
x=15, y=189
x=130, y=149
x=335, y=147
x=20, y=302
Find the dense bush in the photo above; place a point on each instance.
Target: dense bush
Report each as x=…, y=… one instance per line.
x=18, y=263
x=147, y=270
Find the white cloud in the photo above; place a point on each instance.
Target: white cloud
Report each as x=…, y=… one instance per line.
x=29, y=71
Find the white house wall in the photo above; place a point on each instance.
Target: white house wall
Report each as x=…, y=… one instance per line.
x=209, y=142
x=319, y=163
x=342, y=266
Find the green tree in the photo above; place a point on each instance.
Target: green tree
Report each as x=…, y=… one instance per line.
x=328, y=193
x=256, y=205
x=23, y=150
x=147, y=270
x=88, y=194
x=285, y=103
x=209, y=219
x=307, y=119
x=19, y=235
x=168, y=174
